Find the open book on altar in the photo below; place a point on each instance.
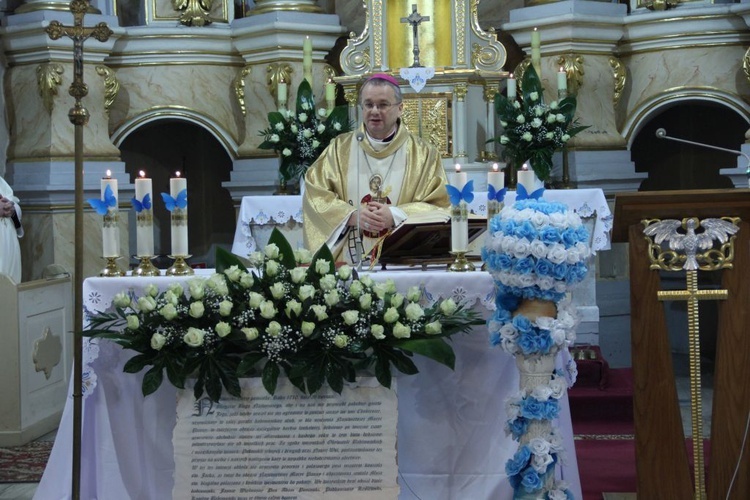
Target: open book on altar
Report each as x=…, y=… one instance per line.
x=425, y=238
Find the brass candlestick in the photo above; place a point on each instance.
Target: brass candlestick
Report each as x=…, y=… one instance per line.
x=461, y=263
x=146, y=267
x=112, y=270
x=180, y=267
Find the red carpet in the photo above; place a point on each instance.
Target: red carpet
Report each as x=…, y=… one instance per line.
x=24, y=464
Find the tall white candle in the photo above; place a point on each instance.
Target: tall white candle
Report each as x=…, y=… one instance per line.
x=307, y=60
x=496, y=177
x=536, y=52
x=110, y=227
x=562, y=79
x=511, y=87
x=459, y=214
x=144, y=225
x=527, y=178
x=281, y=93
x=179, y=217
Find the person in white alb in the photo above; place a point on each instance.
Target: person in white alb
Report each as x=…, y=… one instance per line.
x=10, y=230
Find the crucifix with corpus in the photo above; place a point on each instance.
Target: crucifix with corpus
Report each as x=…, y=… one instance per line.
x=415, y=19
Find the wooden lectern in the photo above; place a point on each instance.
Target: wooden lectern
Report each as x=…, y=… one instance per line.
x=661, y=454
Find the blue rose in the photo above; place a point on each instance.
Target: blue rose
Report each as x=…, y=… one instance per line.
x=524, y=265
x=582, y=234
x=569, y=237
x=504, y=261
x=549, y=235
x=532, y=408
x=551, y=409
x=560, y=271
x=527, y=343
x=519, y=461
x=530, y=480
x=518, y=427
x=576, y=273
x=508, y=226
x=522, y=324
x=544, y=343
x=527, y=230
x=495, y=339
x=507, y=301
x=543, y=267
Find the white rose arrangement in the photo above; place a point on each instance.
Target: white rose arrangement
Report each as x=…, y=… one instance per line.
x=291, y=313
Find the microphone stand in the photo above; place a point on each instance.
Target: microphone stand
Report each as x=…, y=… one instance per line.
x=662, y=134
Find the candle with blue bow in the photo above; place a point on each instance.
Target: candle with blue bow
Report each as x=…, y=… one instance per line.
x=177, y=204
x=144, y=225
x=529, y=186
x=106, y=206
x=461, y=193
x=495, y=192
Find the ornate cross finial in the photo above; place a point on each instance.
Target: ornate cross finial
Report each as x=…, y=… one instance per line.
x=415, y=19
x=78, y=34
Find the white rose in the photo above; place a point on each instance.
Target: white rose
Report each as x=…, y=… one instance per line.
x=539, y=446
x=302, y=117
x=558, y=387
x=541, y=392
x=121, y=300
x=365, y=301
x=146, y=303
x=306, y=292
x=293, y=306
x=286, y=152
x=558, y=335
x=274, y=138
x=196, y=309
x=302, y=256
x=171, y=298
x=520, y=119
x=356, y=288
x=271, y=251
x=401, y=331
x=534, y=96
x=321, y=127
x=267, y=309
x=526, y=280
x=277, y=290
x=574, y=256
x=225, y=308
x=367, y=281
x=527, y=137
x=133, y=322
x=151, y=290
x=256, y=259
x=536, y=123
x=320, y=312
x=307, y=133
x=255, y=300
x=551, y=118
x=380, y=290
x=340, y=341
x=413, y=312
x=247, y=280
x=397, y=300
x=169, y=312
x=279, y=126
x=557, y=220
x=250, y=333
x=553, y=105
x=331, y=298
x=557, y=254
x=322, y=267
x=293, y=128
x=222, y=329
x=540, y=463
x=336, y=126
x=413, y=294
x=307, y=328
x=328, y=282
x=378, y=331
x=350, y=317
x=516, y=104
x=448, y=307
x=545, y=282
x=322, y=112
x=520, y=248
x=197, y=289
x=298, y=274
x=315, y=143
x=272, y=268
x=508, y=331
x=273, y=329
x=233, y=273
x=504, y=139
x=345, y=272
x=391, y=315
x=157, y=341
x=538, y=249
x=433, y=328
x=560, y=117
x=193, y=337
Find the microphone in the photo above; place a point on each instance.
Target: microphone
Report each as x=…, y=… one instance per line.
x=662, y=134
x=360, y=137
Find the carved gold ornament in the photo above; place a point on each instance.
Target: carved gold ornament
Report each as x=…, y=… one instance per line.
x=491, y=55
x=355, y=59
x=194, y=12
x=620, y=76
x=48, y=78
x=239, y=88
x=111, y=85
x=573, y=66
x=746, y=64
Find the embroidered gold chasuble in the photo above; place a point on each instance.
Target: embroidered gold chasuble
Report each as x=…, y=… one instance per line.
x=329, y=201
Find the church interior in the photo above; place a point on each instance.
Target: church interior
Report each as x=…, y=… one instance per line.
x=187, y=87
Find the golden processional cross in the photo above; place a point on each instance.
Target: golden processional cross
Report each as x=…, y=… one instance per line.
x=415, y=19
x=691, y=248
x=79, y=117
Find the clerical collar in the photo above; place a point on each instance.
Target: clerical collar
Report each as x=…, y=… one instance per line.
x=379, y=144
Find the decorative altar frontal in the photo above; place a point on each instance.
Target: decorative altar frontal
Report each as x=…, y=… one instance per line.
x=451, y=437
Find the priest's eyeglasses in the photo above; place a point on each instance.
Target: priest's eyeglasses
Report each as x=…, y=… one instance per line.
x=382, y=106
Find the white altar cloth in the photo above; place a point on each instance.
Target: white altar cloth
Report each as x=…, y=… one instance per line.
x=451, y=439
x=260, y=214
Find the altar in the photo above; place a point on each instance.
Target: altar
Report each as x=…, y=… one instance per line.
x=451, y=438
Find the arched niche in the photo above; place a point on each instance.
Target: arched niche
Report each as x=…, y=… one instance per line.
x=160, y=148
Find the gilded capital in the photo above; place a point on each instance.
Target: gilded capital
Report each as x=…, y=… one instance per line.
x=49, y=78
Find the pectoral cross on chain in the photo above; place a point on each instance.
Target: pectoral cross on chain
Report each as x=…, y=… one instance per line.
x=415, y=19
x=683, y=236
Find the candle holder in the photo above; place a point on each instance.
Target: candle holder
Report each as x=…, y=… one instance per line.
x=180, y=267
x=111, y=269
x=146, y=267
x=460, y=264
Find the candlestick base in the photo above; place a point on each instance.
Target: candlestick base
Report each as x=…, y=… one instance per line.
x=112, y=270
x=180, y=267
x=461, y=263
x=146, y=268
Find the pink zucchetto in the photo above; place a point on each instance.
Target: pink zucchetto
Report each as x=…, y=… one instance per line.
x=383, y=76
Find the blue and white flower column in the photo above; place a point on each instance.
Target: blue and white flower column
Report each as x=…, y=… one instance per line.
x=537, y=251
